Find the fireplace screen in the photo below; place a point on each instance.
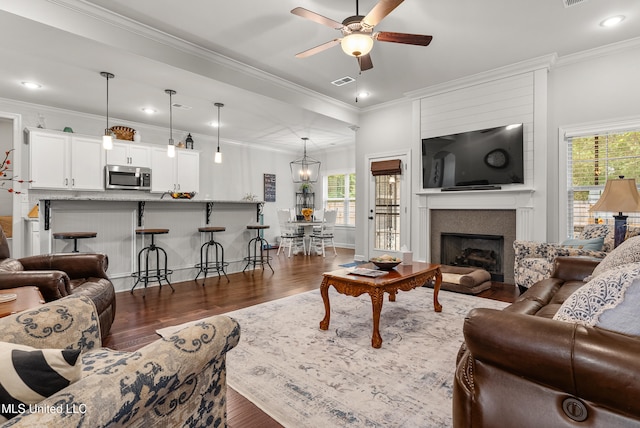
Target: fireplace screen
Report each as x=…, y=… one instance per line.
x=387, y=213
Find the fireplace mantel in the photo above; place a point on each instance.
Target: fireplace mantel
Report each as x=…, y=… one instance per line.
x=520, y=199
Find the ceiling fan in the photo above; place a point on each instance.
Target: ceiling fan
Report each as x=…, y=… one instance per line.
x=357, y=32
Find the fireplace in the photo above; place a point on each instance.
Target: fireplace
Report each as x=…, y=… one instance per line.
x=474, y=250
x=478, y=222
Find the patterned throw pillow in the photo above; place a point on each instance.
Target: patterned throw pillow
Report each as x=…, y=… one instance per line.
x=30, y=375
x=597, y=231
x=627, y=252
x=609, y=300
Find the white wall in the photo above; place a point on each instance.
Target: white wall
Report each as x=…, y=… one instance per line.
x=6, y=144
x=593, y=87
x=384, y=130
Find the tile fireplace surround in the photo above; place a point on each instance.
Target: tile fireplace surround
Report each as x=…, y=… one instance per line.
x=506, y=213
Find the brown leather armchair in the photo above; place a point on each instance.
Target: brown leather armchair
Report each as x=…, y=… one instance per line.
x=60, y=275
x=519, y=367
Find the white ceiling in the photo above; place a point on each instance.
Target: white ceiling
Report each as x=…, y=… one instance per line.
x=241, y=53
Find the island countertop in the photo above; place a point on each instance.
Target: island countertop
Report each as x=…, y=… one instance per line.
x=142, y=198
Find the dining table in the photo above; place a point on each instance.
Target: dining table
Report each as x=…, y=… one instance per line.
x=308, y=230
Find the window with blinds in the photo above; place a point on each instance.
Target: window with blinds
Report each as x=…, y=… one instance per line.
x=341, y=197
x=592, y=160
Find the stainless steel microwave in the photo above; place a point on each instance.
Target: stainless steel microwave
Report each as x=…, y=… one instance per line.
x=127, y=177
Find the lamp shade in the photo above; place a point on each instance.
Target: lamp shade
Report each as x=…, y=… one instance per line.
x=620, y=195
x=357, y=44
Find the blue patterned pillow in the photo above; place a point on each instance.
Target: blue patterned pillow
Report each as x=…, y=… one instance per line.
x=30, y=375
x=610, y=300
x=594, y=244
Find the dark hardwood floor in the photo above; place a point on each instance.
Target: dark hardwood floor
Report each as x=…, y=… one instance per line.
x=138, y=317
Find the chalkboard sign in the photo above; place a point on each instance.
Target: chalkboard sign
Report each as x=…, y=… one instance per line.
x=269, y=187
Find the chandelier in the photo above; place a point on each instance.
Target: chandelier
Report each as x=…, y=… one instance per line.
x=306, y=169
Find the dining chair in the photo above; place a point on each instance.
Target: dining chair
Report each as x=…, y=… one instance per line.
x=318, y=215
x=290, y=235
x=324, y=237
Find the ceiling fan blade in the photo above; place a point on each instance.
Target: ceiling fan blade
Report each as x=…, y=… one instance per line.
x=304, y=13
x=365, y=62
x=407, y=39
x=379, y=11
x=318, y=48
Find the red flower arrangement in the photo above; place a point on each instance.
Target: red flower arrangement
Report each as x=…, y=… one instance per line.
x=5, y=170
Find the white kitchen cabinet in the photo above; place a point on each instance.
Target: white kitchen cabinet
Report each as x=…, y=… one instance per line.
x=64, y=161
x=179, y=174
x=129, y=154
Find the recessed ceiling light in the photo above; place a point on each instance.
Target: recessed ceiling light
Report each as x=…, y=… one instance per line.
x=213, y=124
x=363, y=94
x=613, y=21
x=149, y=110
x=31, y=85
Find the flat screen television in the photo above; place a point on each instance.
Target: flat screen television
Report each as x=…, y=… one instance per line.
x=479, y=159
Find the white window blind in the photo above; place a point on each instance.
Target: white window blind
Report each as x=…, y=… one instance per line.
x=592, y=160
x=341, y=197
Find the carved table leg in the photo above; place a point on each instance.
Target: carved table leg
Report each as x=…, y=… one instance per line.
x=324, y=291
x=392, y=295
x=377, y=296
x=437, y=307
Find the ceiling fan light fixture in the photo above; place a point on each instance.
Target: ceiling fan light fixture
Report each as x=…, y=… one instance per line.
x=357, y=44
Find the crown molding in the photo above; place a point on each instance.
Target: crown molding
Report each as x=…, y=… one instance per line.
x=541, y=62
x=598, y=52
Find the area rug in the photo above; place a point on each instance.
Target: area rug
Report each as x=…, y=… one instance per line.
x=352, y=264
x=305, y=377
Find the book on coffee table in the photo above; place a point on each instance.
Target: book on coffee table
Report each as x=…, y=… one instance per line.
x=373, y=273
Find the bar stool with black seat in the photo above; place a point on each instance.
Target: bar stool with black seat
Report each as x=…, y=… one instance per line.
x=257, y=248
x=75, y=236
x=160, y=271
x=215, y=248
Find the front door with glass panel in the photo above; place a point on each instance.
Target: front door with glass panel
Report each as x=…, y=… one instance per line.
x=388, y=213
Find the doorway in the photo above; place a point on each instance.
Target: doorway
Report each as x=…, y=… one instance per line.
x=388, y=213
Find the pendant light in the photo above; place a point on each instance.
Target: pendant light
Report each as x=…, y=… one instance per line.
x=218, y=156
x=306, y=169
x=171, y=148
x=107, y=139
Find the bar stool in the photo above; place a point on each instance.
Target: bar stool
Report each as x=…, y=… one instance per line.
x=161, y=271
x=216, y=265
x=256, y=249
x=75, y=236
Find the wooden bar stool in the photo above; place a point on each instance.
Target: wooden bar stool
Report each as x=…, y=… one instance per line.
x=257, y=248
x=217, y=264
x=75, y=236
x=160, y=272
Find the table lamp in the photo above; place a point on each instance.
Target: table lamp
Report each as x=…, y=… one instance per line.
x=620, y=195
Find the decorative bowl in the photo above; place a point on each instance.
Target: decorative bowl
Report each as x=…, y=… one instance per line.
x=385, y=265
x=183, y=195
x=123, y=132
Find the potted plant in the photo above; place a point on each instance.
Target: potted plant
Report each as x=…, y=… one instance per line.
x=306, y=187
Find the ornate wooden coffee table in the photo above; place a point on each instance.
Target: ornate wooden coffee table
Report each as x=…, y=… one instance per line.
x=26, y=298
x=403, y=277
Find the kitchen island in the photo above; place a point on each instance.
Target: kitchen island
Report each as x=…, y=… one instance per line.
x=115, y=220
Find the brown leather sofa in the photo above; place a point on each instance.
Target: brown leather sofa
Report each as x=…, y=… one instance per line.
x=60, y=275
x=520, y=368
